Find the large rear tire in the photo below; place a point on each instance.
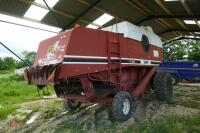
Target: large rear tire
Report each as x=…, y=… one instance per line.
x=162, y=85
x=122, y=106
x=175, y=79
x=71, y=105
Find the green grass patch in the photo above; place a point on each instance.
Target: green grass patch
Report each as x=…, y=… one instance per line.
x=172, y=124
x=14, y=90
x=5, y=110
x=189, y=104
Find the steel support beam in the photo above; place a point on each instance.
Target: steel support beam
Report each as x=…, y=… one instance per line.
x=189, y=11
x=168, y=17
x=146, y=11
x=82, y=14
x=180, y=30
x=56, y=11
x=181, y=38
x=103, y=10
x=167, y=11
x=25, y=62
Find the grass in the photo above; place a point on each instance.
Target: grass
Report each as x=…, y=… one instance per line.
x=172, y=124
x=13, y=91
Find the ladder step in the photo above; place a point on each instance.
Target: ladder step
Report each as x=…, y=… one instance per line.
x=114, y=43
x=115, y=62
x=114, y=52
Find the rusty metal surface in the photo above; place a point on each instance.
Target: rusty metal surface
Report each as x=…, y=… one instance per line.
x=105, y=101
x=140, y=88
x=42, y=75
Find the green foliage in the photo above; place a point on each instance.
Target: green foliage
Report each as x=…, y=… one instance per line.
x=182, y=50
x=7, y=63
x=16, y=77
x=28, y=57
x=194, y=53
x=14, y=90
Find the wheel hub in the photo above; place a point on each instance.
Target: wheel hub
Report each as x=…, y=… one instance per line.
x=126, y=106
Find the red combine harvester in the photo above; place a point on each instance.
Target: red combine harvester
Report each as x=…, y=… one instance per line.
x=99, y=66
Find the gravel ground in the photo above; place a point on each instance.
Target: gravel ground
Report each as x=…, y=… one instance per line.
x=96, y=118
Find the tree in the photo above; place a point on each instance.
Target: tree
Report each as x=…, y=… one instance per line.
x=7, y=63
x=182, y=50
x=1, y=64
x=28, y=57
x=194, y=52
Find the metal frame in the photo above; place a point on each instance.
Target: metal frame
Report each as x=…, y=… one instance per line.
x=166, y=10
x=138, y=5
x=181, y=38
x=180, y=30
x=146, y=11
x=168, y=17
x=58, y=12
x=82, y=14
x=27, y=63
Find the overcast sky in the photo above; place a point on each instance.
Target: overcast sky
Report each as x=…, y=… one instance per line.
x=19, y=38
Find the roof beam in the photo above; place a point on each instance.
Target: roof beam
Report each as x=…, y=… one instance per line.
x=186, y=7
x=181, y=38
x=101, y=9
x=189, y=11
x=180, y=30
x=143, y=9
x=13, y=23
x=168, y=17
x=59, y=12
x=82, y=14
x=163, y=7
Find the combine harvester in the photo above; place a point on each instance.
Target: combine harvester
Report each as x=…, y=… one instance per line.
x=100, y=66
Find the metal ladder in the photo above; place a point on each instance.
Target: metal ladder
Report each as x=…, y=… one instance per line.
x=114, y=50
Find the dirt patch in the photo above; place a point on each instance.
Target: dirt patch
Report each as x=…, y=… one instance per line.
x=96, y=118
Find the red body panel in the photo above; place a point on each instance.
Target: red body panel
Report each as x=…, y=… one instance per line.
x=91, y=56
x=90, y=42
x=52, y=50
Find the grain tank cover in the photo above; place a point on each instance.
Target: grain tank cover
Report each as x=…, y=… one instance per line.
x=132, y=31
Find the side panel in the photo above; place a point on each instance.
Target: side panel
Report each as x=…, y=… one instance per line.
x=87, y=52
x=52, y=50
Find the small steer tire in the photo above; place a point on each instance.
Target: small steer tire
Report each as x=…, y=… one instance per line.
x=162, y=85
x=70, y=105
x=122, y=106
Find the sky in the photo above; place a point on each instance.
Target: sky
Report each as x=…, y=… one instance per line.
x=19, y=38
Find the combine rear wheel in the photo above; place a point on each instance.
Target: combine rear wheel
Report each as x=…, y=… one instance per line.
x=175, y=79
x=122, y=106
x=162, y=85
x=71, y=105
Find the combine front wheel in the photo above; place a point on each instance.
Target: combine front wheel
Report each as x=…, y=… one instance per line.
x=122, y=106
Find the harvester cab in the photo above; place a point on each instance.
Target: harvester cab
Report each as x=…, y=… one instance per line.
x=114, y=65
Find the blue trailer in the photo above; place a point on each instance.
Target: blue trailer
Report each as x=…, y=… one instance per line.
x=179, y=70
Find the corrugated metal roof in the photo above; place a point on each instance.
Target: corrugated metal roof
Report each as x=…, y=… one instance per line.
x=129, y=10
